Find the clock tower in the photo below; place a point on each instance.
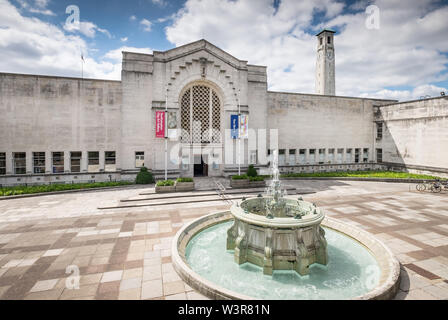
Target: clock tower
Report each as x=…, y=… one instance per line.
x=325, y=75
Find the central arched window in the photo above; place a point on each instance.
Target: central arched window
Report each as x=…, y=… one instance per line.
x=200, y=115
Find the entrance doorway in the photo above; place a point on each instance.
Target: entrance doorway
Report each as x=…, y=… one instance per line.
x=200, y=167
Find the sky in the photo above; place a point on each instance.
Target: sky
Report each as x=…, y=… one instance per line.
x=392, y=49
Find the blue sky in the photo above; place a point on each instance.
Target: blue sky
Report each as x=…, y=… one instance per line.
x=404, y=58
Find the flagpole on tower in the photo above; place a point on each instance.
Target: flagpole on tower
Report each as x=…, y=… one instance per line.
x=82, y=65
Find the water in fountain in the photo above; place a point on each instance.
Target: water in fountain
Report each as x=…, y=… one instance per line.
x=274, y=192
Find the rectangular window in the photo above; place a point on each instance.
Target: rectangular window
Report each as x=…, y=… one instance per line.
x=253, y=157
x=139, y=159
x=292, y=156
x=321, y=40
x=281, y=157
x=331, y=155
x=75, y=161
x=379, y=155
x=110, y=161
x=2, y=163
x=321, y=156
x=365, y=155
x=38, y=162
x=58, y=162
x=339, y=156
x=357, y=152
x=312, y=155
x=329, y=40
x=19, y=162
x=93, y=164
x=302, y=156
x=379, y=130
x=348, y=156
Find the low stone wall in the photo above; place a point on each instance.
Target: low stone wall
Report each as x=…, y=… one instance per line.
x=165, y=189
x=184, y=186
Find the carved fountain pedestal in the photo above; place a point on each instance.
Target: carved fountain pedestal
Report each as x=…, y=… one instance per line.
x=289, y=237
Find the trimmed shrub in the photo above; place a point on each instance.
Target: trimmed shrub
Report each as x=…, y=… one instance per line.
x=165, y=183
x=241, y=177
x=251, y=171
x=184, y=180
x=144, y=177
x=259, y=178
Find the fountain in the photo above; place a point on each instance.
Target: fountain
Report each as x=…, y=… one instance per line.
x=276, y=233
x=281, y=247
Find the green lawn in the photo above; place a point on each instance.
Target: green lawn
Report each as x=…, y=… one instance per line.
x=11, y=191
x=362, y=174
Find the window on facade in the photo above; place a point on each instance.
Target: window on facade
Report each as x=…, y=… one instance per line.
x=93, y=164
x=312, y=155
x=339, y=156
x=2, y=163
x=331, y=155
x=253, y=157
x=379, y=130
x=348, y=156
x=365, y=155
x=379, y=155
x=109, y=158
x=321, y=40
x=19, y=162
x=139, y=159
x=357, y=155
x=38, y=162
x=321, y=156
x=58, y=162
x=302, y=155
x=281, y=157
x=75, y=161
x=329, y=40
x=292, y=156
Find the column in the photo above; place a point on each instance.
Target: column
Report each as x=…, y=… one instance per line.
x=66, y=161
x=9, y=167
x=29, y=162
x=84, y=161
x=102, y=160
x=48, y=164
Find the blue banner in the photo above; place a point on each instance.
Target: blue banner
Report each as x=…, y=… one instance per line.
x=234, y=126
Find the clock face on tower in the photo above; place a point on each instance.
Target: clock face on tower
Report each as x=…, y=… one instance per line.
x=330, y=55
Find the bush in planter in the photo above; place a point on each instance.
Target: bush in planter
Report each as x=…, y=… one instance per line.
x=144, y=177
x=165, y=183
x=240, y=177
x=184, y=180
x=251, y=171
x=256, y=178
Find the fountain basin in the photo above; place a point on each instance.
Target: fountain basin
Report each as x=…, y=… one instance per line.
x=385, y=287
x=291, y=238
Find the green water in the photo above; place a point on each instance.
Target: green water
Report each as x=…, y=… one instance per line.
x=351, y=271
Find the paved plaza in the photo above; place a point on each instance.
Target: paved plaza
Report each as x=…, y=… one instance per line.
x=124, y=251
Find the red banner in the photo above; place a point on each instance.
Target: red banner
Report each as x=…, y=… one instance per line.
x=160, y=124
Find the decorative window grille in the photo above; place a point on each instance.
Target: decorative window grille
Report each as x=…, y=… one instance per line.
x=2, y=163
x=200, y=115
x=39, y=162
x=58, y=162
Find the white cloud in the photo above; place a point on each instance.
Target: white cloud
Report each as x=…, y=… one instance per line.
x=29, y=45
x=146, y=25
x=406, y=51
x=86, y=28
x=132, y=18
x=39, y=9
x=418, y=92
x=124, y=39
x=160, y=3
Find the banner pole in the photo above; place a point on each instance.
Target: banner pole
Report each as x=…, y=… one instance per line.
x=239, y=135
x=166, y=135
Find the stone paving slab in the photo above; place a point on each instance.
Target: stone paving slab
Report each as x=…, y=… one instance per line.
x=46, y=243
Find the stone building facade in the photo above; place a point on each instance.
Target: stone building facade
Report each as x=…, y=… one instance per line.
x=65, y=130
